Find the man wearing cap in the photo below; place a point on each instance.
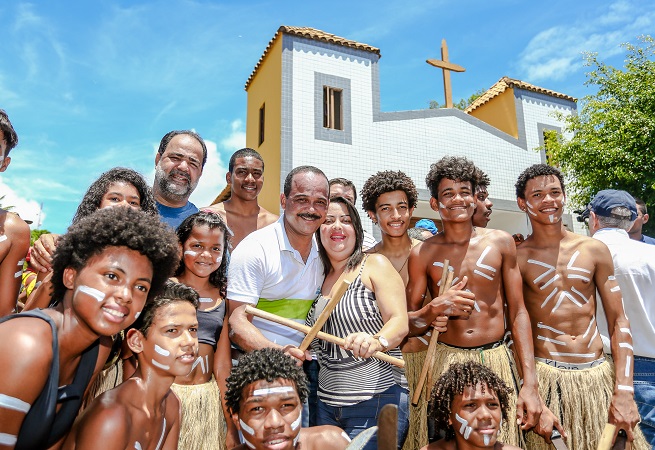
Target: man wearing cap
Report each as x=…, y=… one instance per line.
x=642, y=217
x=612, y=213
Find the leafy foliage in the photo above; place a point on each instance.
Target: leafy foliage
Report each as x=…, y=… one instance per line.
x=462, y=103
x=613, y=146
x=35, y=235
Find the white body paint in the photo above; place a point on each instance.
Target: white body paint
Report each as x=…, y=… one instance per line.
x=8, y=439
x=591, y=322
x=137, y=445
x=625, y=388
x=546, y=327
x=160, y=365
x=487, y=439
x=626, y=330
x=615, y=289
x=245, y=427
x=190, y=253
x=93, y=292
x=464, y=430
x=219, y=260
x=591, y=341
x=205, y=300
x=161, y=439
x=13, y=403
x=345, y=436
x=530, y=209
x=21, y=262
x=162, y=351
x=574, y=355
x=479, y=263
x=273, y=390
x=626, y=345
x=3, y=237
x=627, y=365
x=204, y=364
x=18, y=274
x=551, y=218
x=611, y=278
x=138, y=313
x=553, y=341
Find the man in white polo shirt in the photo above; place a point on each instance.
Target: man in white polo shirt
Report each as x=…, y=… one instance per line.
x=278, y=269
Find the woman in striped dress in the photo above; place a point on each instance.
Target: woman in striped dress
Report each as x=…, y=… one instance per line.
x=371, y=316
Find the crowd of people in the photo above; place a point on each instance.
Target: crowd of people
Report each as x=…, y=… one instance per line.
x=153, y=324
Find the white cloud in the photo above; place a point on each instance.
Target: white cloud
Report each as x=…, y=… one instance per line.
x=556, y=53
x=28, y=209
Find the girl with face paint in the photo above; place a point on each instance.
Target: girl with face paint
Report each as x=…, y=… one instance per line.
x=204, y=242
x=106, y=268
x=142, y=413
x=470, y=402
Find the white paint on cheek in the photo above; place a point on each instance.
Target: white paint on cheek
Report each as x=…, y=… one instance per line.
x=273, y=390
x=160, y=365
x=3, y=237
x=296, y=423
x=464, y=423
x=486, y=438
x=551, y=218
x=138, y=313
x=246, y=428
x=219, y=260
x=248, y=443
x=95, y=293
x=442, y=206
x=472, y=205
x=162, y=351
x=190, y=253
x=530, y=209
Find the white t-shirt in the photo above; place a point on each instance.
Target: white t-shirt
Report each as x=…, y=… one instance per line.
x=266, y=271
x=634, y=268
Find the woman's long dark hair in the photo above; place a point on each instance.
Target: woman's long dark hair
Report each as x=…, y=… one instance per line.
x=357, y=254
x=93, y=197
x=218, y=277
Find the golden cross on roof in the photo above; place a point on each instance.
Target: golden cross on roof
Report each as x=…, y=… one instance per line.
x=446, y=66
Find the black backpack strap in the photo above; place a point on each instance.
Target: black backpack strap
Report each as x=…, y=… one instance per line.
x=35, y=429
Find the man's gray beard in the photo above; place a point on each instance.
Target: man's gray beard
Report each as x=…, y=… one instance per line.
x=172, y=191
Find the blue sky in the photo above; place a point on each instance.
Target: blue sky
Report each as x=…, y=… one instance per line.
x=90, y=85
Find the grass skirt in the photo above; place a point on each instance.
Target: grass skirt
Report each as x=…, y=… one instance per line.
x=499, y=360
x=580, y=399
x=106, y=380
x=417, y=435
x=203, y=423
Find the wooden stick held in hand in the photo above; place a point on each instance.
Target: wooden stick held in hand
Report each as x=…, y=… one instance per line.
x=323, y=336
x=446, y=281
x=323, y=317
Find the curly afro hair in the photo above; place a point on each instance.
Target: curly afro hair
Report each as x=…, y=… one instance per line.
x=218, y=277
x=455, y=168
x=482, y=180
x=387, y=181
x=535, y=171
x=265, y=364
x=116, y=227
x=458, y=377
x=91, y=200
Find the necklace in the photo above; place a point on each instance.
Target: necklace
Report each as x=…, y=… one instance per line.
x=411, y=245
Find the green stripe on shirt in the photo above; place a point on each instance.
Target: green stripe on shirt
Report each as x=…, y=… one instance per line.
x=290, y=308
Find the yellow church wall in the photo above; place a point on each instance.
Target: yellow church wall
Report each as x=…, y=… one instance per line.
x=266, y=89
x=500, y=112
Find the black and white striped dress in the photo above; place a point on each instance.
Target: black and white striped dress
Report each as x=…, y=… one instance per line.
x=343, y=379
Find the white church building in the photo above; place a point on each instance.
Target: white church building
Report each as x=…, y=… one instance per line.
x=314, y=98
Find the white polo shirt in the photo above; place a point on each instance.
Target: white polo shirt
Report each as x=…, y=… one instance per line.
x=266, y=271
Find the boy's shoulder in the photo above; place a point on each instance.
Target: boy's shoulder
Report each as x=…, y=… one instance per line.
x=324, y=437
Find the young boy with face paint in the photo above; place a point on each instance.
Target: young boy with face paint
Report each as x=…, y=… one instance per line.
x=143, y=412
x=105, y=269
x=471, y=403
x=14, y=232
x=484, y=265
x=265, y=393
x=563, y=275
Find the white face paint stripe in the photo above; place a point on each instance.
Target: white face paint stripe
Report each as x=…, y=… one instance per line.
x=160, y=365
x=3, y=237
x=219, y=260
x=205, y=300
x=591, y=341
x=138, y=313
x=486, y=438
x=626, y=345
x=14, y=404
x=467, y=433
x=628, y=360
x=626, y=330
x=622, y=387
x=553, y=341
x=8, y=439
x=442, y=206
x=464, y=423
x=93, y=292
x=296, y=423
x=591, y=322
x=615, y=289
x=190, y=253
x=246, y=428
x=273, y=390
x=345, y=436
x=546, y=327
x=574, y=355
x=18, y=274
x=248, y=443
x=162, y=351
x=551, y=218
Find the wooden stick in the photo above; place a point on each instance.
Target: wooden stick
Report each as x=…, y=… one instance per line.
x=605, y=442
x=323, y=317
x=321, y=335
x=446, y=280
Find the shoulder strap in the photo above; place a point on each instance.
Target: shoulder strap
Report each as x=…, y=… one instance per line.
x=35, y=429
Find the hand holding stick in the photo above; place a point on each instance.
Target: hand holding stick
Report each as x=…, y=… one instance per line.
x=446, y=280
x=320, y=335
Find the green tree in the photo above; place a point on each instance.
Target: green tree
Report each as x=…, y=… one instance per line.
x=613, y=145
x=35, y=235
x=462, y=104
